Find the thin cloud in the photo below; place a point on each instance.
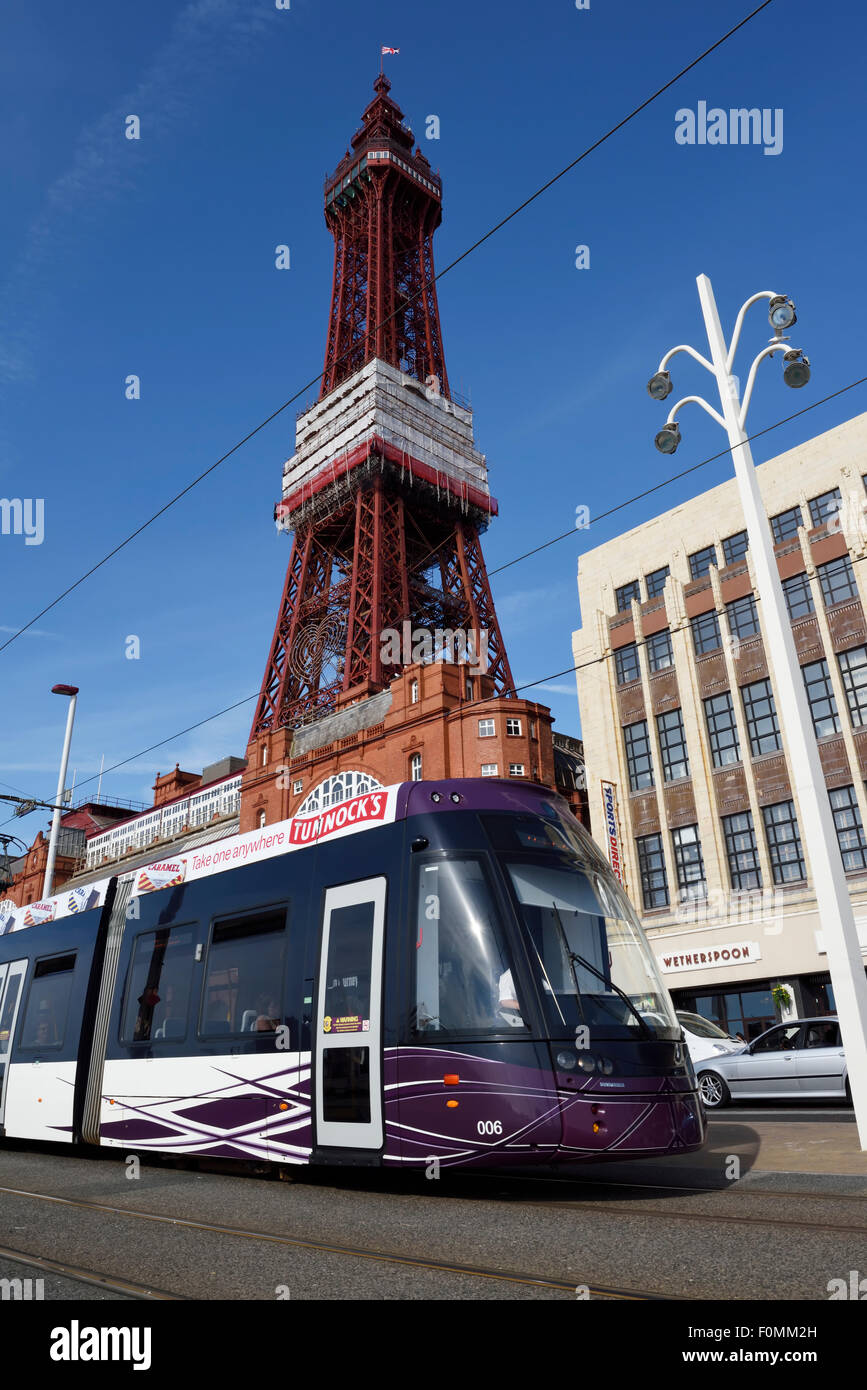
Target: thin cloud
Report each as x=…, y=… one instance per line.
x=208, y=38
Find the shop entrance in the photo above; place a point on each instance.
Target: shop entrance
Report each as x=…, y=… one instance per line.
x=744, y=1012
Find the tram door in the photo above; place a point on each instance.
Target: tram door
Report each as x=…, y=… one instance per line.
x=348, y=1053
x=11, y=982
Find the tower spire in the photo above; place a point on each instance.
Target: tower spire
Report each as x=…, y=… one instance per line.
x=383, y=204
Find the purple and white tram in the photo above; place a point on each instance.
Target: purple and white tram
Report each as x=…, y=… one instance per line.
x=432, y=970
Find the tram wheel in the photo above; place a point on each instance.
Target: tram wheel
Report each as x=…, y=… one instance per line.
x=713, y=1090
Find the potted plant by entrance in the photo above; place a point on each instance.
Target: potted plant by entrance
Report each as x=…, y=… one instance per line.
x=782, y=998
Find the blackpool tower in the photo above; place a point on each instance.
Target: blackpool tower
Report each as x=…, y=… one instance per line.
x=387, y=497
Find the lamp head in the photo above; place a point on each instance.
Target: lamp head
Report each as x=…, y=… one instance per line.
x=797, y=369
x=659, y=386
x=781, y=313
x=668, y=438
x=64, y=690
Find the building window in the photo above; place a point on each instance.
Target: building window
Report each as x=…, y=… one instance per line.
x=850, y=832
x=469, y=688
x=742, y=852
x=784, y=842
x=705, y=633
x=719, y=711
x=513, y=727
x=838, y=580
x=853, y=669
x=486, y=728
x=672, y=744
x=297, y=787
x=262, y=819
x=655, y=582
x=743, y=617
x=659, y=653
x=828, y=505
x=798, y=595
x=516, y=769
x=532, y=728
x=820, y=693
x=785, y=524
x=415, y=767
x=626, y=664
x=638, y=756
x=489, y=769
x=761, y=716
x=264, y=754
x=701, y=560
x=625, y=594
x=651, y=866
x=413, y=693
x=690, y=865
x=735, y=546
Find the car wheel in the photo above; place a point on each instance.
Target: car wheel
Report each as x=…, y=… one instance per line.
x=848, y=1092
x=713, y=1090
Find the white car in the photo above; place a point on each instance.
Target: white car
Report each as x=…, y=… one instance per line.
x=705, y=1040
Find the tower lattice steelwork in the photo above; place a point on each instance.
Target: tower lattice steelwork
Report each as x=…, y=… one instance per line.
x=386, y=493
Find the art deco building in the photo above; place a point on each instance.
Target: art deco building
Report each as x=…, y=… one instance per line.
x=679, y=713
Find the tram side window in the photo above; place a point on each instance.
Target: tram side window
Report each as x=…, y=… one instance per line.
x=244, y=979
x=45, y=1018
x=8, y=1012
x=348, y=977
x=464, y=977
x=158, y=986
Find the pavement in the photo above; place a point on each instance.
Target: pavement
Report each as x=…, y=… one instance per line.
x=773, y=1148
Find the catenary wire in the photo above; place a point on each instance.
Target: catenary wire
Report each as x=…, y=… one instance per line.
x=438, y=276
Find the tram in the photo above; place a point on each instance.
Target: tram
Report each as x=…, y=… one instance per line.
x=431, y=971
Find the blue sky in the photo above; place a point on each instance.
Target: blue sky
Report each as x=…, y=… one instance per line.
x=156, y=257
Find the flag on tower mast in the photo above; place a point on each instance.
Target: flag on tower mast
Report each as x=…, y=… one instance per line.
x=389, y=50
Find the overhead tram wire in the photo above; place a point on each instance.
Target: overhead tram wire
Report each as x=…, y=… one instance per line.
x=674, y=477
x=438, y=276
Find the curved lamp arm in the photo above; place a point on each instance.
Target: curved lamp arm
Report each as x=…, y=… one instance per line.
x=685, y=347
x=699, y=400
x=751, y=379
x=739, y=323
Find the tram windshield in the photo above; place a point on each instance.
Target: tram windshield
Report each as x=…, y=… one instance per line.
x=593, y=962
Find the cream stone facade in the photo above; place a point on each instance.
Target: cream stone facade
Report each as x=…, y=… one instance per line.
x=678, y=711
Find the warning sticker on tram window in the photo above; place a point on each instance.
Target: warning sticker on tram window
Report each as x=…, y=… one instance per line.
x=39, y=912
x=346, y=1023
x=163, y=875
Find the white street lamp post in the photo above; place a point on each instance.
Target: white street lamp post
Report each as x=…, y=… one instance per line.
x=71, y=690
x=829, y=878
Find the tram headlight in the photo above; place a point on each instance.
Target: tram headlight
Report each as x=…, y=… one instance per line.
x=589, y=1063
x=566, y=1061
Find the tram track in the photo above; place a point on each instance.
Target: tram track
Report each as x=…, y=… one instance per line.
x=87, y=1276
x=668, y=1213
x=391, y=1257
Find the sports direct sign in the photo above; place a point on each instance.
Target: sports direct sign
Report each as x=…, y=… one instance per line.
x=738, y=953
x=612, y=836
